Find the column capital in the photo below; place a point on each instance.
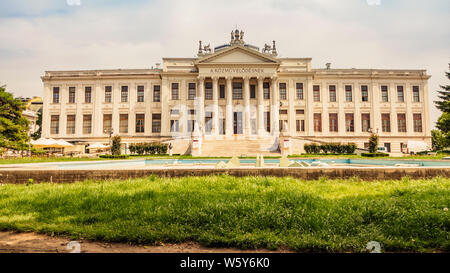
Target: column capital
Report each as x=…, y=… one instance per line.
x=274, y=78
x=261, y=78
x=201, y=78
x=229, y=78
x=215, y=79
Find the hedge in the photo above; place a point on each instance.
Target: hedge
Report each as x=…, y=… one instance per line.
x=148, y=148
x=374, y=154
x=114, y=156
x=330, y=148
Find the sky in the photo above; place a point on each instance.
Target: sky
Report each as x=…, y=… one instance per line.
x=40, y=35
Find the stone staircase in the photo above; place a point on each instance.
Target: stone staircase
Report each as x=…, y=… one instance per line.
x=267, y=146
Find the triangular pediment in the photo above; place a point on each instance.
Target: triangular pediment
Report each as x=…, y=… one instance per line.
x=239, y=55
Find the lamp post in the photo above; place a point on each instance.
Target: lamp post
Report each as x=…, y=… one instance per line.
x=109, y=131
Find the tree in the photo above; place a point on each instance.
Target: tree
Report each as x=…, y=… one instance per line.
x=37, y=134
x=443, y=122
x=438, y=140
x=373, y=143
x=115, y=147
x=13, y=125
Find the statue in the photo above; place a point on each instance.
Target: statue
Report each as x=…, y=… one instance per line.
x=266, y=48
x=231, y=35
x=242, y=35
x=207, y=48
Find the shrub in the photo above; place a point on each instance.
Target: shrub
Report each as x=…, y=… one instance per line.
x=115, y=147
x=148, y=148
x=330, y=148
x=114, y=156
x=374, y=154
x=373, y=143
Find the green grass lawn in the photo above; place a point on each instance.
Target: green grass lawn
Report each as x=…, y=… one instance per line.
x=247, y=212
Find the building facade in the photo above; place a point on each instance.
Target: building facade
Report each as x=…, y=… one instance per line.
x=238, y=99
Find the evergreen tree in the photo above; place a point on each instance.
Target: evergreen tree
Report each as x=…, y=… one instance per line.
x=13, y=125
x=443, y=123
x=115, y=147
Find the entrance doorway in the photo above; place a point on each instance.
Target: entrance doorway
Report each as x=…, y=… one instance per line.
x=237, y=123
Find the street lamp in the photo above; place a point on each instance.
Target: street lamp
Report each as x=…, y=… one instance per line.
x=109, y=131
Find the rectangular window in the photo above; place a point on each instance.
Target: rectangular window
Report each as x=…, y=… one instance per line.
x=252, y=91
x=70, y=130
x=140, y=123
x=400, y=94
x=364, y=93
x=175, y=91
x=365, y=122
x=332, y=91
x=349, y=122
x=222, y=126
x=316, y=93
x=283, y=112
x=283, y=123
x=401, y=123
x=333, y=122
x=191, y=91
x=417, y=121
x=348, y=93
x=388, y=147
x=299, y=90
x=266, y=90
x=191, y=111
x=156, y=93
x=416, y=96
x=174, y=112
x=237, y=91
x=87, y=124
x=386, y=122
x=107, y=123
x=317, y=122
x=87, y=94
x=299, y=111
x=71, y=94
x=54, y=124
x=208, y=91
x=174, y=125
x=222, y=91
x=55, y=94
x=300, y=125
x=124, y=94
x=384, y=93
x=156, y=123
x=140, y=93
x=108, y=94
x=267, y=121
x=123, y=123
x=208, y=122
x=190, y=125
x=283, y=95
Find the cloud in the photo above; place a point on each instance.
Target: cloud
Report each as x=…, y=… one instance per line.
x=373, y=2
x=73, y=2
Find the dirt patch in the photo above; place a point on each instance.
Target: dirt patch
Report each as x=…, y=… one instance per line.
x=30, y=242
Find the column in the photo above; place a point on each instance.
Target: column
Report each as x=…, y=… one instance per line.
x=246, y=106
x=291, y=112
x=215, y=128
x=275, y=114
x=165, y=118
x=46, y=117
x=260, y=106
x=408, y=114
x=200, y=101
x=375, y=115
x=394, y=97
x=341, y=113
x=229, y=108
x=309, y=115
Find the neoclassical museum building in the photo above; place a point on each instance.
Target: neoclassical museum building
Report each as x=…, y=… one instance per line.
x=238, y=99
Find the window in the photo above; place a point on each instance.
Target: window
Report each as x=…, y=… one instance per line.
x=156, y=93
x=252, y=91
x=208, y=91
x=124, y=94
x=316, y=93
x=266, y=90
x=332, y=91
x=283, y=91
x=140, y=123
x=87, y=124
x=174, y=125
x=384, y=93
x=108, y=94
x=416, y=96
x=237, y=91
x=386, y=122
x=349, y=122
x=300, y=125
x=317, y=122
x=71, y=94
x=388, y=147
x=417, y=121
x=140, y=93
x=55, y=94
x=156, y=123
x=191, y=111
x=222, y=91
x=299, y=111
x=364, y=93
x=365, y=122
x=348, y=93
x=333, y=122
x=400, y=94
x=283, y=112
x=175, y=91
x=54, y=124
x=401, y=123
x=267, y=121
x=190, y=125
x=299, y=90
x=282, y=123
x=208, y=122
x=174, y=112
x=222, y=126
x=123, y=123
x=191, y=91
x=87, y=94
x=70, y=124
x=107, y=123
